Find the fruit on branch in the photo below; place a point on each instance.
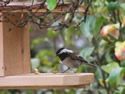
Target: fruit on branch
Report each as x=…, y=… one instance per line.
x=110, y=32
x=120, y=50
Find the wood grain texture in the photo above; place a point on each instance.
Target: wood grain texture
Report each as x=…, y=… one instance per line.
x=24, y=6
x=48, y=80
x=1, y=50
x=16, y=50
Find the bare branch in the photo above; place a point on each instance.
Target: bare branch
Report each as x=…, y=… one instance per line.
x=42, y=21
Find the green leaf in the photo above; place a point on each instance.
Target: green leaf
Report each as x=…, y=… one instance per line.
x=111, y=0
x=121, y=90
x=113, y=6
x=68, y=34
x=109, y=67
x=45, y=57
x=37, y=41
x=87, y=28
x=122, y=6
x=31, y=29
x=5, y=91
x=115, y=76
x=108, y=54
x=117, y=92
x=92, y=26
x=51, y=4
x=98, y=24
x=123, y=63
x=71, y=29
x=51, y=33
x=86, y=52
x=98, y=73
x=28, y=91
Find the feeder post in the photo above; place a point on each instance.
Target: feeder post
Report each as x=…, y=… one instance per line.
x=14, y=45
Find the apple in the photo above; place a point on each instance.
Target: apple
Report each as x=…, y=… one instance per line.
x=120, y=50
x=111, y=30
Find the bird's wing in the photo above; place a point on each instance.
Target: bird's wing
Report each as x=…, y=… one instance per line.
x=75, y=56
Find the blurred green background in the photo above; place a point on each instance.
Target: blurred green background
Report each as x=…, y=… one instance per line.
x=101, y=49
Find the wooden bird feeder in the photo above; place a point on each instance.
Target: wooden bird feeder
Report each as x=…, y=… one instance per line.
x=15, y=55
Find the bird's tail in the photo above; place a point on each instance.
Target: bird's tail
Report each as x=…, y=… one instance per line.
x=85, y=62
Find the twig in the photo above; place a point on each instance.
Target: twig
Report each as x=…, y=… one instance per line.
x=119, y=20
x=85, y=14
x=42, y=18
x=32, y=2
x=99, y=66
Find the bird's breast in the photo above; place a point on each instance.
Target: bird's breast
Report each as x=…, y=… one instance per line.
x=72, y=63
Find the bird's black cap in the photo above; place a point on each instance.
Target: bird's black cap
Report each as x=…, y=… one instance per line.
x=59, y=50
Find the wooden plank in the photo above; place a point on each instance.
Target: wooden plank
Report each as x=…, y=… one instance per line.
x=26, y=49
x=26, y=6
x=47, y=80
x=16, y=52
x=1, y=50
x=37, y=87
x=45, y=10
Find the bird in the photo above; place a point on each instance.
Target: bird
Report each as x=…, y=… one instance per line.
x=71, y=59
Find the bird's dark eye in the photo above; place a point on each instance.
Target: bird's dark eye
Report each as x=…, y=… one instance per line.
x=58, y=51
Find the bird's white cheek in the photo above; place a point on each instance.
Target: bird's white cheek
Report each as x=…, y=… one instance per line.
x=66, y=51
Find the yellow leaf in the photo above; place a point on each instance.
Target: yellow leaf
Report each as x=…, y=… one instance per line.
x=101, y=82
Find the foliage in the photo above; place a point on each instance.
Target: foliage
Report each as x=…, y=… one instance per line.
x=51, y=4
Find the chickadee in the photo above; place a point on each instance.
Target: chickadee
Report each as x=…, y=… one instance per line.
x=71, y=59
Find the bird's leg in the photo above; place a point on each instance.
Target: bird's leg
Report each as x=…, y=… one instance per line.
x=66, y=70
